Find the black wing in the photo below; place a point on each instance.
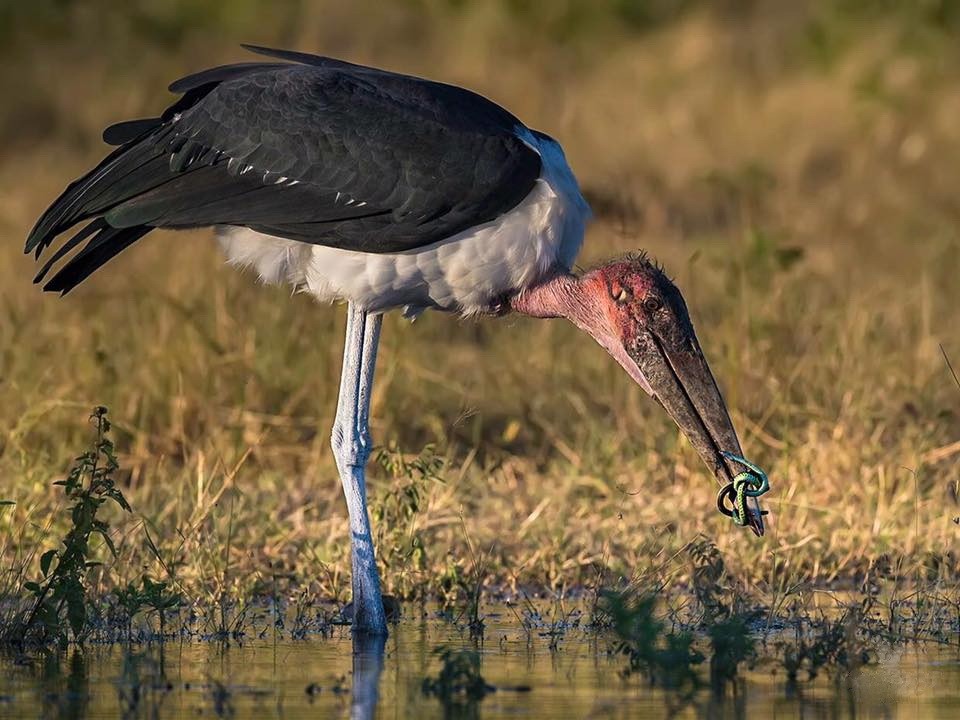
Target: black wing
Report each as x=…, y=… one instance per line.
x=322, y=151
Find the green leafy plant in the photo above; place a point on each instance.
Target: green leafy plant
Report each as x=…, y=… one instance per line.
x=152, y=596
x=157, y=597
x=129, y=600
x=395, y=512
x=461, y=590
x=60, y=595
x=723, y=615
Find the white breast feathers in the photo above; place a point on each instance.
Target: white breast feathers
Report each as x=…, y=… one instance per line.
x=467, y=273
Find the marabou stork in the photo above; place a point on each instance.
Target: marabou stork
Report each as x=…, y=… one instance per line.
x=385, y=191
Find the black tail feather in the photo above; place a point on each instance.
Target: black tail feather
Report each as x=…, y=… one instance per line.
x=151, y=155
x=144, y=161
x=88, y=230
x=82, y=198
x=135, y=167
x=103, y=247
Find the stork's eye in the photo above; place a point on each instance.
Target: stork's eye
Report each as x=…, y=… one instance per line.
x=652, y=304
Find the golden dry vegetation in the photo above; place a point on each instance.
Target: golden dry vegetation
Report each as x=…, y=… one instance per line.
x=794, y=165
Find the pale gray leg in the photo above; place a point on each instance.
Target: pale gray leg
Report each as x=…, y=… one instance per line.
x=368, y=366
x=351, y=448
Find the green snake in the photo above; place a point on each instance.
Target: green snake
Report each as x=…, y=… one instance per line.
x=752, y=482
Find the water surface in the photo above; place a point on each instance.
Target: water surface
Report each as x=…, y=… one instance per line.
x=535, y=676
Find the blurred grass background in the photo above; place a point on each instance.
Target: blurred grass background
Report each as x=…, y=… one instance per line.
x=793, y=163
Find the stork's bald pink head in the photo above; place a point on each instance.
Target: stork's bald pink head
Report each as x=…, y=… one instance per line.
x=638, y=315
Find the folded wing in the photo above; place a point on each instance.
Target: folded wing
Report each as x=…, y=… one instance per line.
x=319, y=151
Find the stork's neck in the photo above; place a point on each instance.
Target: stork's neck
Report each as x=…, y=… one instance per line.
x=562, y=296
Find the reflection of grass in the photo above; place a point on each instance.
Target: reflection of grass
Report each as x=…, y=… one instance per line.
x=707, y=142
x=459, y=684
x=665, y=658
x=669, y=651
x=837, y=643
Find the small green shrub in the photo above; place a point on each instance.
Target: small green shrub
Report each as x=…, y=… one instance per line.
x=396, y=511
x=60, y=605
x=151, y=596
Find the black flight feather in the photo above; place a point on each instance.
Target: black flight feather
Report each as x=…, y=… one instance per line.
x=87, y=231
x=104, y=246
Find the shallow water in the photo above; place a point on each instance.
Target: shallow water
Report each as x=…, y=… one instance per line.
x=330, y=677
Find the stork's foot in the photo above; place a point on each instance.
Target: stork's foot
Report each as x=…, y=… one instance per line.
x=367, y=614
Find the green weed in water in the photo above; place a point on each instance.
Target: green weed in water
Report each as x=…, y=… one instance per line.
x=152, y=596
x=461, y=590
x=724, y=615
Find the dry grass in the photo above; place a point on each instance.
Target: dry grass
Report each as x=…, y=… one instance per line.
x=717, y=144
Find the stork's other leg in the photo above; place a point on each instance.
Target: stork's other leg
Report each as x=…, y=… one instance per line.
x=351, y=448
